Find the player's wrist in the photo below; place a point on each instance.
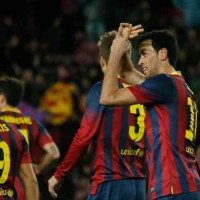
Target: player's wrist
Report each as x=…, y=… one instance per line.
x=114, y=59
x=116, y=55
x=58, y=178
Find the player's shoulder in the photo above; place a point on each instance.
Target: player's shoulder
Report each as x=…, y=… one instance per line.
x=35, y=123
x=95, y=88
x=162, y=83
x=5, y=126
x=8, y=128
x=38, y=123
x=97, y=85
x=161, y=79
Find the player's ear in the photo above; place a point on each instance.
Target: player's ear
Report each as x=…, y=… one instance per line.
x=102, y=62
x=2, y=98
x=163, y=54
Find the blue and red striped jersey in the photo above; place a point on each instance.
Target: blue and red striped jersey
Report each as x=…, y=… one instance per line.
x=171, y=119
x=13, y=152
x=115, y=137
x=34, y=132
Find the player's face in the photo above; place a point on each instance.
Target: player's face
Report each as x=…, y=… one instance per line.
x=149, y=59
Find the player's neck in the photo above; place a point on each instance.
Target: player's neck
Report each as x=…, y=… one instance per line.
x=169, y=69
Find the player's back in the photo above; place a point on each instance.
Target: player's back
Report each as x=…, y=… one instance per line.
x=170, y=131
x=12, y=146
x=118, y=147
x=33, y=131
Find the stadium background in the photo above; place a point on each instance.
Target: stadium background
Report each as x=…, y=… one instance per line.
x=51, y=45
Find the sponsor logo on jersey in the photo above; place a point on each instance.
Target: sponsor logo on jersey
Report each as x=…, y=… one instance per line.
x=8, y=192
x=132, y=152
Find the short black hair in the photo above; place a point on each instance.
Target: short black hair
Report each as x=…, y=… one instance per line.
x=162, y=39
x=13, y=89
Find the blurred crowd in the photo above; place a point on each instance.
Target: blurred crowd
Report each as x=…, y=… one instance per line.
x=52, y=46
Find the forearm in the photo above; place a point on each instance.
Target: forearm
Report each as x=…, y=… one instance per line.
x=197, y=153
x=30, y=182
x=130, y=73
x=110, y=82
x=46, y=161
x=111, y=94
x=31, y=190
x=52, y=153
x=74, y=153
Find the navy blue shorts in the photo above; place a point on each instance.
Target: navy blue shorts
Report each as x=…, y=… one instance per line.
x=129, y=189
x=184, y=196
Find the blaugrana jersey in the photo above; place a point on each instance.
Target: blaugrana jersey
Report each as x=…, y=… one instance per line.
x=171, y=119
x=13, y=152
x=115, y=136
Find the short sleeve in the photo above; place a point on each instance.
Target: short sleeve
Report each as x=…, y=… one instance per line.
x=159, y=88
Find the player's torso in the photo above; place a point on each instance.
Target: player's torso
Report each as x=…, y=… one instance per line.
x=23, y=123
x=10, y=153
x=119, y=144
x=171, y=129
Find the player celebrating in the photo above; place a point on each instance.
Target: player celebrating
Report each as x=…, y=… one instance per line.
x=116, y=137
x=171, y=113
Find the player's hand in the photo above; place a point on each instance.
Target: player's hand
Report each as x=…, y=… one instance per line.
x=135, y=30
x=121, y=44
x=53, y=185
x=36, y=169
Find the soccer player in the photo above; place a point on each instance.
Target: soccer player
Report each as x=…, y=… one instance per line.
x=15, y=158
x=11, y=93
x=171, y=113
x=115, y=135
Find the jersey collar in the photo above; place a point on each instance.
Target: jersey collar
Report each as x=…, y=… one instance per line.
x=11, y=109
x=178, y=73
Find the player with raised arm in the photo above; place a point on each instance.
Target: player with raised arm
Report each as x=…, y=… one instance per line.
x=115, y=136
x=171, y=113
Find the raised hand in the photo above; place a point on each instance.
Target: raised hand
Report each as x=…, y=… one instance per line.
x=121, y=44
x=135, y=30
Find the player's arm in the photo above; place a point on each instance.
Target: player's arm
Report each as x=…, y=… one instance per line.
x=53, y=184
x=51, y=154
x=30, y=181
x=129, y=72
x=111, y=94
x=89, y=125
x=197, y=141
x=197, y=153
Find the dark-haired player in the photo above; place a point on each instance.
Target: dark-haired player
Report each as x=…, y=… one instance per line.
x=11, y=93
x=171, y=113
x=116, y=137
x=15, y=159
